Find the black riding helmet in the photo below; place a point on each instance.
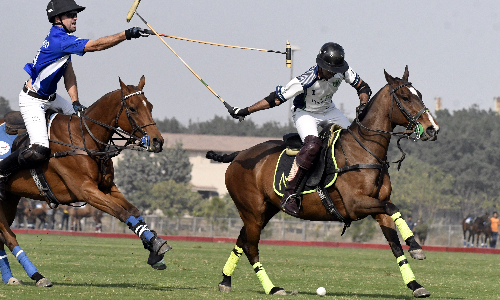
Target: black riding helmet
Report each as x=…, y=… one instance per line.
x=59, y=7
x=331, y=58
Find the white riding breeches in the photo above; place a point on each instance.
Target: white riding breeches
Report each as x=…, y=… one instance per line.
x=33, y=112
x=307, y=122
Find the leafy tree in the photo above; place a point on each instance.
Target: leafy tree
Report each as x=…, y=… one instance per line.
x=362, y=231
x=421, y=189
x=173, y=198
x=4, y=106
x=136, y=169
x=217, y=207
x=226, y=126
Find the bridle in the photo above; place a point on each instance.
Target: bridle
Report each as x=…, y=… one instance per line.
x=110, y=148
x=413, y=125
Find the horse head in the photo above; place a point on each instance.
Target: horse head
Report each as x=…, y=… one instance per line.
x=135, y=116
x=412, y=111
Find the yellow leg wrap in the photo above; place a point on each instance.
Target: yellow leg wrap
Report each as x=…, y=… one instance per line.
x=232, y=261
x=405, y=269
x=402, y=226
x=262, y=275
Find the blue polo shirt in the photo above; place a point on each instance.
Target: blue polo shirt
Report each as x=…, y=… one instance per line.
x=52, y=59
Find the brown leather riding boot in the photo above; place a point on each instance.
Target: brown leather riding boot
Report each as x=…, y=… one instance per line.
x=303, y=162
x=290, y=202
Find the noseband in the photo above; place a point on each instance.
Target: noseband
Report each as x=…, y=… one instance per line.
x=413, y=124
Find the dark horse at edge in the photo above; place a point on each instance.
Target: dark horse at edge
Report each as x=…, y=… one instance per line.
x=356, y=194
x=86, y=173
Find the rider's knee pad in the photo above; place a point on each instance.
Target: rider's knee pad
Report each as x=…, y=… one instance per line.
x=34, y=155
x=308, y=152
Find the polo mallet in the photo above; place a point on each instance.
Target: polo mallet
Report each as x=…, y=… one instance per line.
x=288, y=51
x=132, y=10
x=230, y=109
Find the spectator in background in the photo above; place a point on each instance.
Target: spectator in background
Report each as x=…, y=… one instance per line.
x=410, y=224
x=65, y=219
x=494, y=230
x=421, y=229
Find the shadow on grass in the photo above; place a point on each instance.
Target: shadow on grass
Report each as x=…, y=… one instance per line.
x=125, y=286
x=380, y=296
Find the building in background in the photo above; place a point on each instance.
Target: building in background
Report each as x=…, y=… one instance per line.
x=207, y=176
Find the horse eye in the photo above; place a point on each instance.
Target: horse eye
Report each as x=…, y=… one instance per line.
x=132, y=109
x=405, y=99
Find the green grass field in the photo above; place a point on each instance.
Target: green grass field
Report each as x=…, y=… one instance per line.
x=99, y=268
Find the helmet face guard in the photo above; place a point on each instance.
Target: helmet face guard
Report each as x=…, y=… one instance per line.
x=58, y=7
x=331, y=58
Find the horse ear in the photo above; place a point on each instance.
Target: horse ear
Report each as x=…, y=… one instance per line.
x=142, y=82
x=122, y=85
x=405, y=75
x=389, y=78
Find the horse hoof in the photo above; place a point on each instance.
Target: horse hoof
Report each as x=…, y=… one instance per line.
x=15, y=281
x=44, y=282
x=417, y=254
x=163, y=249
x=421, y=293
x=159, y=265
x=224, y=288
x=277, y=291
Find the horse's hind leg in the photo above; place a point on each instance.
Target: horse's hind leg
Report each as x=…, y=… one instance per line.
x=247, y=242
x=389, y=230
x=7, y=214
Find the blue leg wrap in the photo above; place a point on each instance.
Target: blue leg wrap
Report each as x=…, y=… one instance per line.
x=139, y=227
x=24, y=261
x=5, y=267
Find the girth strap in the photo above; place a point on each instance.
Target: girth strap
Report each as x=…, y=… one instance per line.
x=330, y=207
x=43, y=187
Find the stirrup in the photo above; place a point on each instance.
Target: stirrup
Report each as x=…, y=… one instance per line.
x=296, y=199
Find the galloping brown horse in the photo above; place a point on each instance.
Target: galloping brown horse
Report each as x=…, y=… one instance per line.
x=76, y=214
x=84, y=170
x=357, y=193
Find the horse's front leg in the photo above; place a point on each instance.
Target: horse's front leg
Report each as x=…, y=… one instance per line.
x=388, y=217
x=115, y=204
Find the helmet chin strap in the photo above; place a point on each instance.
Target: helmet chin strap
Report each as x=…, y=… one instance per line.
x=61, y=23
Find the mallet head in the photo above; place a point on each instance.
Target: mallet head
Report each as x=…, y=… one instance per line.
x=132, y=10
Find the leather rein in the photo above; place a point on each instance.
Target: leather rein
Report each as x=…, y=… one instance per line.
x=383, y=164
x=110, y=148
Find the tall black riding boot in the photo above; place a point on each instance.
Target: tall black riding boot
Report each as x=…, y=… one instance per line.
x=304, y=160
x=290, y=202
x=7, y=166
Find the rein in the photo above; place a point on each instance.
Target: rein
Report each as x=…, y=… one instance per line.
x=111, y=149
x=412, y=127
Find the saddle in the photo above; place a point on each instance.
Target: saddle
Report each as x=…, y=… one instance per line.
x=14, y=125
x=320, y=177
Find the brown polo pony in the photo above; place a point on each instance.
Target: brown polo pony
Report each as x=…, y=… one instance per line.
x=76, y=215
x=357, y=193
x=85, y=173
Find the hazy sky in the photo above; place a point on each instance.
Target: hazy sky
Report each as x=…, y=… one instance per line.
x=451, y=48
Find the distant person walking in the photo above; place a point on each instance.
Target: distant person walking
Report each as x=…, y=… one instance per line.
x=494, y=230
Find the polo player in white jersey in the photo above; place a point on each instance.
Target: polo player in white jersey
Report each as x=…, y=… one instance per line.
x=312, y=94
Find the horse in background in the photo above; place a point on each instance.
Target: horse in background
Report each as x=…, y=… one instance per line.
x=477, y=228
x=20, y=214
x=36, y=210
x=362, y=187
x=76, y=215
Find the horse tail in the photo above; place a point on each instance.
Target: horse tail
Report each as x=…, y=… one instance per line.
x=225, y=158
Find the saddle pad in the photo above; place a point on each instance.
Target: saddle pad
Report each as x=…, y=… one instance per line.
x=285, y=162
x=6, y=141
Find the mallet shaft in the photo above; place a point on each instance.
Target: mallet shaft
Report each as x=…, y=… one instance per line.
x=229, y=107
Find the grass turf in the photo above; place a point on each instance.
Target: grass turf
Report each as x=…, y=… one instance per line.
x=99, y=268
